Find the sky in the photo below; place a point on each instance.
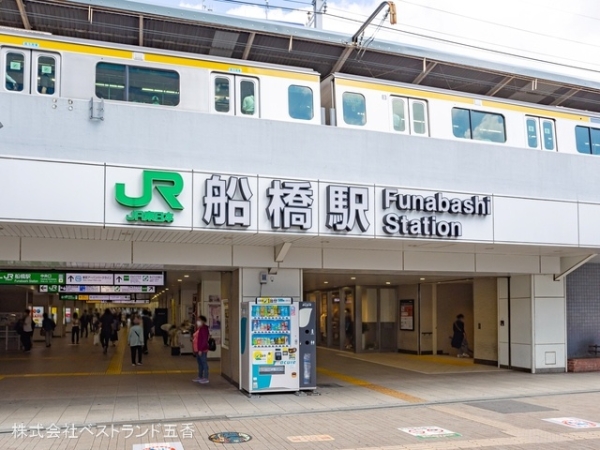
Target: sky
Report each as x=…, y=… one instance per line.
x=566, y=32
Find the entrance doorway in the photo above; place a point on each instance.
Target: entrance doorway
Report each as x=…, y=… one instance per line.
x=336, y=319
x=378, y=319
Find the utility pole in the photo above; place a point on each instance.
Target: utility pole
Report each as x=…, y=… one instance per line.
x=319, y=7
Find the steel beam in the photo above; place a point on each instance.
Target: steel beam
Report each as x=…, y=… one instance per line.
x=499, y=86
x=248, y=46
x=564, y=97
x=24, y=17
x=426, y=70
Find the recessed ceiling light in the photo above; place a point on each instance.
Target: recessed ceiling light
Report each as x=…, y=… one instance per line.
x=387, y=282
x=353, y=278
x=166, y=289
x=186, y=276
x=422, y=279
x=180, y=280
x=326, y=282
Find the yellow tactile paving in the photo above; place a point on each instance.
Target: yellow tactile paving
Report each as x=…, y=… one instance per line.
x=374, y=387
x=116, y=362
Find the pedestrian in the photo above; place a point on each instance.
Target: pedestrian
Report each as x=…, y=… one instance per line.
x=106, y=329
x=164, y=329
x=200, y=348
x=48, y=326
x=75, y=324
x=114, y=337
x=136, y=342
x=25, y=329
x=84, y=323
x=147, y=325
x=459, y=337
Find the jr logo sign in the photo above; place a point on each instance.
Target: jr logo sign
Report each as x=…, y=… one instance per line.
x=168, y=184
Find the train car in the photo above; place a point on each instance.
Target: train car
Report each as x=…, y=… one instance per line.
x=378, y=105
x=41, y=64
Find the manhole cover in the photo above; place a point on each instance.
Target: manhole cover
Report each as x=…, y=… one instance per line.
x=230, y=437
x=509, y=407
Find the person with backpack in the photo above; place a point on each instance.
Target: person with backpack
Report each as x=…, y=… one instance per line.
x=200, y=348
x=48, y=326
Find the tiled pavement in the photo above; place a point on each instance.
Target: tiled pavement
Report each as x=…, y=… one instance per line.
x=365, y=399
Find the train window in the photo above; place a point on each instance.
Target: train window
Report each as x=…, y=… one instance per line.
x=461, y=123
x=222, y=94
x=399, y=114
x=137, y=84
x=110, y=81
x=300, y=102
x=532, y=132
x=588, y=140
x=478, y=125
x=247, y=90
x=154, y=86
x=14, y=71
x=549, y=138
x=354, y=108
x=46, y=75
x=419, y=117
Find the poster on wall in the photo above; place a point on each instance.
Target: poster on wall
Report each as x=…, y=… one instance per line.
x=38, y=313
x=225, y=321
x=214, y=321
x=407, y=315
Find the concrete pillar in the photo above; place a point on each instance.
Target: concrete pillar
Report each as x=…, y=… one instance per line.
x=533, y=337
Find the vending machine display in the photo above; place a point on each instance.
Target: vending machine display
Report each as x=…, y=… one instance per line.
x=270, y=354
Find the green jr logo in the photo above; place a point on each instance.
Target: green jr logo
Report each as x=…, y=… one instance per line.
x=168, y=184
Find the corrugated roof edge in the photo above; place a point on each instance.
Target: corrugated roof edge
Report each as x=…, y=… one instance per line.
x=485, y=59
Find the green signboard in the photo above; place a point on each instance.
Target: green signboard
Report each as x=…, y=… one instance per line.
x=69, y=297
x=32, y=278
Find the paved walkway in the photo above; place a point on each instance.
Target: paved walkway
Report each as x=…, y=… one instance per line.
x=364, y=400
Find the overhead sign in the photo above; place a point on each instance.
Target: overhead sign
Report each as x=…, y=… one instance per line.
x=86, y=289
x=49, y=288
x=79, y=288
x=95, y=298
x=90, y=278
x=128, y=289
x=32, y=278
x=138, y=279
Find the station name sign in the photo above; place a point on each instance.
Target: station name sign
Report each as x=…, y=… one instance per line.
x=210, y=201
x=430, y=225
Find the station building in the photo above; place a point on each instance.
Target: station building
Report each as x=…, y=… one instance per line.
x=390, y=235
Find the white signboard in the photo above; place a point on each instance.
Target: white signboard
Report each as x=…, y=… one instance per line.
x=288, y=206
x=137, y=279
x=92, y=298
x=128, y=289
x=158, y=198
x=403, y=213
x=82, y=289
x=225, y=202
x=89, y=278
x=346, y=209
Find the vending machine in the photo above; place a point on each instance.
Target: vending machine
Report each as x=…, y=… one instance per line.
x=270, y=354
x=307, y=322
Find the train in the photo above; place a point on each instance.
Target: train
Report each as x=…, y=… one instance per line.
x=42, y=64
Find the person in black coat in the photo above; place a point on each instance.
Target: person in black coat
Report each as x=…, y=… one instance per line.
x=459, y=337
x=106, y=328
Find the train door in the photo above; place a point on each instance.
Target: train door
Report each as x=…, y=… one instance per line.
x=235, y=95
x=31, y=72
x=541, y=133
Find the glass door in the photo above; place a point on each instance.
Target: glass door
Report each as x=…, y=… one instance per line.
x=334, y=307
x=369, y=314
x=387, y=320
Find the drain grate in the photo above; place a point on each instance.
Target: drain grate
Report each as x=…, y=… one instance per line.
x=329, y=385
x=509, y=407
